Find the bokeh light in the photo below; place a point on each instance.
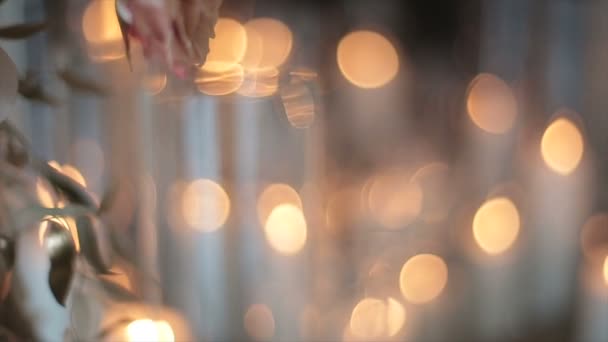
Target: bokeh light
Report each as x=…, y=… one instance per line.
x=491, y=104
x=393, y=200
x=286, y=229
x=299, y=104
x=434, y=181
x=274, y=195
x=102, y=31
x=205, y=205
x=496, y=225
x=259, y=322
x=269, y=44
x=367, y=59
x=262, y=82
x=218, y=83
x=562, y=146
x=423, y=277
x=147, y=330
x=594, y=238
x=374, y=319
x=605, y=268
x=228, y=46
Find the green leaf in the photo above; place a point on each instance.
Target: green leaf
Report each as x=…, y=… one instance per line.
x=20, y=31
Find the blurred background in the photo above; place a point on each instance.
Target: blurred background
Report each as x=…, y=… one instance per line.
x=345, y=170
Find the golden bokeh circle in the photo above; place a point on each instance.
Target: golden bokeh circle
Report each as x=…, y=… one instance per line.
x=562, y=146
x=205, y=206
x=491, y=104
x=367, y=59
x=286, y=229
x=423, y=277
x=496, y=225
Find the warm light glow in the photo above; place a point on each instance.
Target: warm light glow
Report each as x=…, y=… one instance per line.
x=393, y=200
x=274, y=195
x=594, y=238
x=374, y=318
x=147, y=330
x=205, y=205
x=259, y=322
x=55, y=165
x=262, y=82
x=491, y=104
x=45, y=194
x=396, y=316
x=67, y=223
x=562, y=146
x=422, y=278
x=218, y=83
x=367, y=59
x=154, y=82
x=102, y=31
x=286, y=229
x=228, y=46
x=299, y=104
x=434, y=182
x=269, y=44
x=165, y=332
x=606, y=270
x=496, y=225
x=74, y=174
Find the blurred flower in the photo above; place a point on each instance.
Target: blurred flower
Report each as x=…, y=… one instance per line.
x=173, y=32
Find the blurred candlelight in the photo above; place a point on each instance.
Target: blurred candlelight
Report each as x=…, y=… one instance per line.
x=259, y=322
x=286, y=229
x=434, y=182
x=594, y=238
x=222, y=74
x=269, y=44
x=205, y=205
x=260, y=82
x=102, y=32
x=422, y=278
x=373, y=319
x=298, y=103
x=496, y=225
x=228, y=46
x=562, y=146
x=367, y=59
x=274, y=195
x=606, y=270
x=491, y=104
x=393, y=200
x=218, y=83
x=147, y=330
